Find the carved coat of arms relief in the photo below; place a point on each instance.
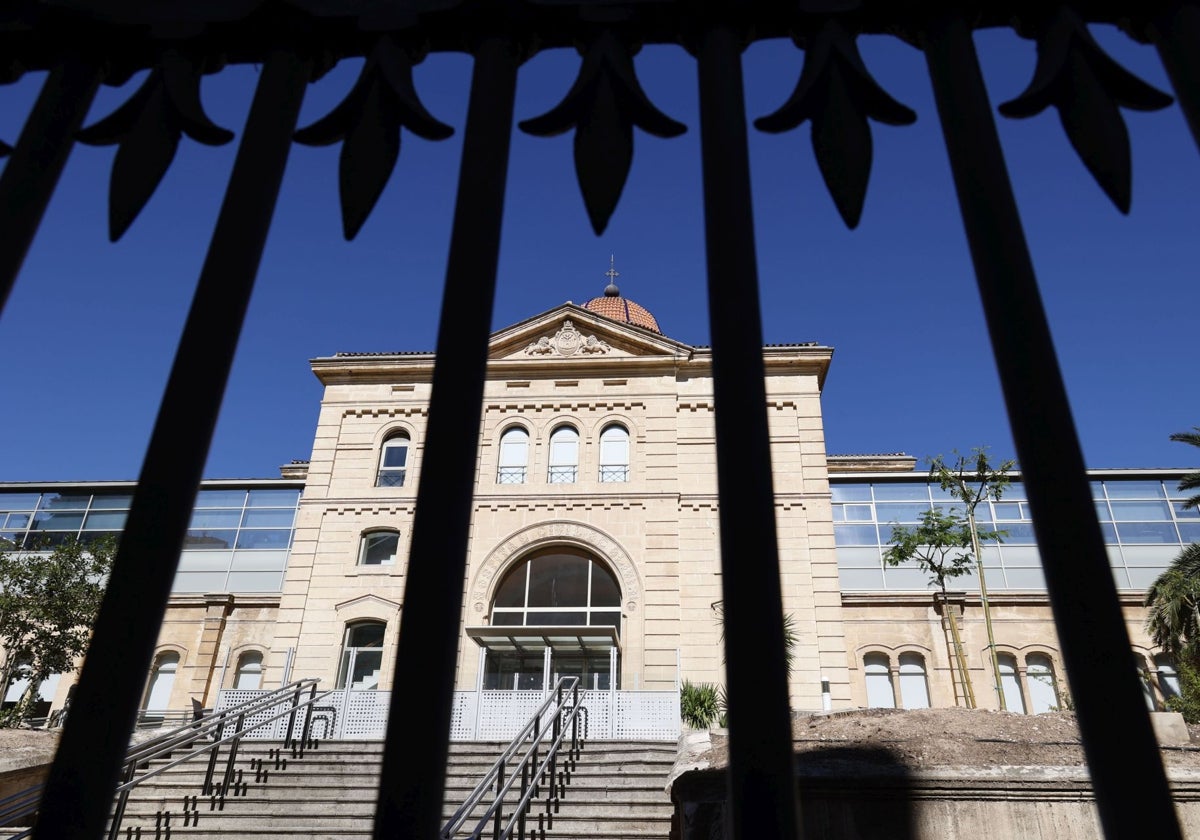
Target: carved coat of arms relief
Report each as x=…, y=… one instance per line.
x=568, y=341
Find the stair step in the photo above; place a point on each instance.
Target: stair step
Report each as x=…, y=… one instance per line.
x=616, y=792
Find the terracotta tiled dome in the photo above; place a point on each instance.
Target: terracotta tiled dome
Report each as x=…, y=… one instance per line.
x=612, y=305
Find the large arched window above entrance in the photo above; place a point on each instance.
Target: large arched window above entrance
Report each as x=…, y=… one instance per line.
x=558, y=586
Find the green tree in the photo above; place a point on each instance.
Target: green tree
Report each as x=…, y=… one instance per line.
x=49, y=598
x=940, y=545
x=1191, y=481
x=972, y=479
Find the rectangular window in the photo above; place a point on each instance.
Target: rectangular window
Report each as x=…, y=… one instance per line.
x=1134, y=489
x=855, y=535
x=908, y=492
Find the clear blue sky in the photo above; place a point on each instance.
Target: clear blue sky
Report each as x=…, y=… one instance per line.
x=90, y=329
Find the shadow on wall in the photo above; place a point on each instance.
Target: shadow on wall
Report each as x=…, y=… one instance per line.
x=845, y=794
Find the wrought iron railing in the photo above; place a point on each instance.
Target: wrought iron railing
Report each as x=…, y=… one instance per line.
x=83, y=43
x=534, y=760
x=203, y=738
x=226, y=729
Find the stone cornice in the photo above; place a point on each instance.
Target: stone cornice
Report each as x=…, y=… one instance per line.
x=237, y=600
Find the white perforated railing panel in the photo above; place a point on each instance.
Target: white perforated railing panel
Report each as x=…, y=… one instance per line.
x=462, y=716
x=652, y=715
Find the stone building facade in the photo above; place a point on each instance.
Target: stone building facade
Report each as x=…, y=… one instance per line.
x=597, y=439
x=594, y=546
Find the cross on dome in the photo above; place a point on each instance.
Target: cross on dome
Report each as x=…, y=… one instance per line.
x=612, y=274
x=618, y=308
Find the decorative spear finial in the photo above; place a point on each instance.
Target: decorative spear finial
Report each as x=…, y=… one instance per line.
x=612, y=274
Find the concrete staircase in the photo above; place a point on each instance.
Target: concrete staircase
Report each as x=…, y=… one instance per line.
x=616, y=793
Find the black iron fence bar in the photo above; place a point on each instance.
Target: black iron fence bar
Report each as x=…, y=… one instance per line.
x=1120, y=746
x=84, y=773
x=441, y=523
x=762, y=789
x=1176, y=35
x=37, y=160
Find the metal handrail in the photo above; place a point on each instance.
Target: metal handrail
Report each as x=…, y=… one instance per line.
x=565, y=712
x=211, y=726
x=216, y=723
x=23, y=803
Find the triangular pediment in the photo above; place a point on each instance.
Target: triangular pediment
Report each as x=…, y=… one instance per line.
x=572, y=333
x=368, y=602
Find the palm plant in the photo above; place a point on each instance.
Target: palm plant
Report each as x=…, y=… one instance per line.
x=1191, y=481
x=1173, y=603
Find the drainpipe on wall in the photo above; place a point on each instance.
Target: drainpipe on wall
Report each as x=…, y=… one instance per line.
x=287, y=666
x=221, y=677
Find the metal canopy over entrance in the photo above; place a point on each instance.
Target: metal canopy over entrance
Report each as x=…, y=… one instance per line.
x=573, y=639
x=531, y=658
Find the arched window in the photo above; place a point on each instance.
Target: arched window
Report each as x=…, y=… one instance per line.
x=564, y=455
x=362, y=656
x=1168, y=677
x=558, y=586
x=378, y=548
x=1043, y=688
x=880, y=694
x=614, y=453
x=249, y=671
x=914, y=688
x=514, y=456
x=162, y=680
x=393, y=461
x=1011, y=684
